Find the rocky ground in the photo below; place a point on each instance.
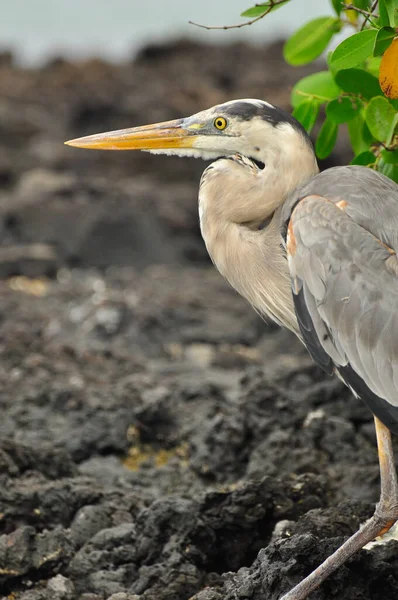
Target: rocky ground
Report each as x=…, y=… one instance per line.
x=158, y=441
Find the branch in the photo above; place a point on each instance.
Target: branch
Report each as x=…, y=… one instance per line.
x=366, y=13
x=372, y=9
x=271, y=5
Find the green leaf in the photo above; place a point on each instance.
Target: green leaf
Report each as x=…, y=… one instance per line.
x=384, y=19
x=341, y=110
x=364, y=158
x=326, y=139
x=354, y=50
x=310, y=40
x=306, y=113
x=321, y=85
x=260, y=9
x=388, y=170
x=255, y=11
x=388, y=11
x=358, y=81
x=383, y=39
x=381, y=118
x=360, y=136
x=337, y=5
x=364, y=4
x=373, y=65
x=329, y=55
x=390, y=157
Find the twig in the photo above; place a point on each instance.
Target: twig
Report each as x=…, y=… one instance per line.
x=372, y=9
x=237, y=26
x=271, y=5
x=365, y=13
x=315, y=96
x=358, y=10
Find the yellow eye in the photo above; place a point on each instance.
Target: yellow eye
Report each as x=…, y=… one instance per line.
x=220, y=123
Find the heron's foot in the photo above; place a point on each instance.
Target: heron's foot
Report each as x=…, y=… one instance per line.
x=385, y=515
x=383, y=519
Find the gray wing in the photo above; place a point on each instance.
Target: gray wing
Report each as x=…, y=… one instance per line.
x=342, y=240
x=372, y=199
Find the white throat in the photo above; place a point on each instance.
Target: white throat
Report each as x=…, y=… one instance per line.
x=233, y=196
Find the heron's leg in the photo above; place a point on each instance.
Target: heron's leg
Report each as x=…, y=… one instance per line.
x=385, y=515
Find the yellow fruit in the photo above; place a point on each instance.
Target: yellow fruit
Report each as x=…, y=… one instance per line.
x=388, y=75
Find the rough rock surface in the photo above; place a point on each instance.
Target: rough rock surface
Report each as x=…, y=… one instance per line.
x=157, y=439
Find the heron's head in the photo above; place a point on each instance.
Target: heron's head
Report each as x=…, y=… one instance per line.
x=249, y=127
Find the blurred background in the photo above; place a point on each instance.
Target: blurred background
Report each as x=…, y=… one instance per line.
x=76, y=29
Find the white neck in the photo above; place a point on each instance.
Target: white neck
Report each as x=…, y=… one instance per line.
x=233, y=198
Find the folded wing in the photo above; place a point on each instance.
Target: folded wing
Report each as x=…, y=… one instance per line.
x=342, y=238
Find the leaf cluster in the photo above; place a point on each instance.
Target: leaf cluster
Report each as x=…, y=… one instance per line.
x=359, y=89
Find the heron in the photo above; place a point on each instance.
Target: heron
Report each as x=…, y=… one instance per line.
x=314, y=251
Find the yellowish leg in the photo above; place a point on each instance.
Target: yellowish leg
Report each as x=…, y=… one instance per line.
x=385, y=515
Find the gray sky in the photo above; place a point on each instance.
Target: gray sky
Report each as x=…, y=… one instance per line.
x=38, y=29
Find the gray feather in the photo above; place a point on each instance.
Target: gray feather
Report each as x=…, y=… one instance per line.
x=343, y=262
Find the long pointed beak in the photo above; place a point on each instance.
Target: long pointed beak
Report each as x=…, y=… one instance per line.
x=169, y=134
